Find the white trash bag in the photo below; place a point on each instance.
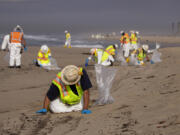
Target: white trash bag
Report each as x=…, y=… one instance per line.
x=156, y=56
x=120, y=57
x=133, y=60
x=53, y=65
x=104, y=78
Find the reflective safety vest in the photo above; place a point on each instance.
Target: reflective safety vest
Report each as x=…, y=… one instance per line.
x=43, y=58
x=68, y=36
x=133, y=39
x=67, y=96
x=16, y=37
x=105, y=56
x=141, y=55
x=125, y=39
x=110, y=50
x=96, y=54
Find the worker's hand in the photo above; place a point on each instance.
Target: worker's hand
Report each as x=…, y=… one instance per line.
x=86, y=62
x=42, y=111
x=49, y=57
x=86, y=111
x=25, y=49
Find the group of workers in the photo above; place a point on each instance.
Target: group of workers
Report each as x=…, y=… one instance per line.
x=130, y=46
x=69, y=91
x=16, y=45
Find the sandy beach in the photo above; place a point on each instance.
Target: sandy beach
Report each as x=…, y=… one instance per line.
x=146, y=98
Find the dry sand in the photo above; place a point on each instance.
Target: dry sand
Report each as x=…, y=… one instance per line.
x=146, y=98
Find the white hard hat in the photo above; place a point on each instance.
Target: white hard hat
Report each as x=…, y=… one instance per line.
x=65, y=31
x=92, y=51
x=18, y=27
x=137, y=32
x=44, y=48
x=116, y=46
x=121, y=31
x=145, y=47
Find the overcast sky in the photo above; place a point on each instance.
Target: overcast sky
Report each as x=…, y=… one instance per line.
x=52, y=16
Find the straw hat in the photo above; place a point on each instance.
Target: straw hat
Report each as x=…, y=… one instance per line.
x=70, y=75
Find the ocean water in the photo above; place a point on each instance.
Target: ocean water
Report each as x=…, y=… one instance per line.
x=77, y=41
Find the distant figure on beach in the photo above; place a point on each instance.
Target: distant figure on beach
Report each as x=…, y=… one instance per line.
x=44, y=55
x=108, y=55
x=133, y=40
x=96, y=55
x=16, y=47
x=68, y=39
x=125, y=44
x=68, y=92
x=5, y=43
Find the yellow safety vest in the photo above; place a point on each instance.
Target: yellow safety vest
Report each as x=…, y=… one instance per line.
x=44, y=57
x=68, y=36
x=67, y=96
x=141, y=55
x=110, y=49
x=133, y=39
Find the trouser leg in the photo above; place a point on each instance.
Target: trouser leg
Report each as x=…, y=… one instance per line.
x=18, y=56
x=12, y=56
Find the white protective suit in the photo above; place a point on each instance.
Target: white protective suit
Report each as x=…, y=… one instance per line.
x=126, y=49
x=15, y=55
x=5, y=42
x=108, y=61
x=56, y=106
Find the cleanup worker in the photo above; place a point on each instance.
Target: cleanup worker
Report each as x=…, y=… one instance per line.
x=126, y=45
x=96, y=55
x=133, y=40
x=68, y=92
x=142, y=54
x=16, y=47
x=5, y=42
x=44, y=56
x=108, y=55
x=68, y=39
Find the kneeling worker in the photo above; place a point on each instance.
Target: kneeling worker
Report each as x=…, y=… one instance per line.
x=108, y=55
x=68, y=92
x=96, y=55
x=44, y=56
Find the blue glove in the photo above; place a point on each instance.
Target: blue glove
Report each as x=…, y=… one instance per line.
x=40, y=65
x=42, y=111
x=86, y=62
x=86, y=111
x=49, y=57
x=25, y=49
x=152, y=62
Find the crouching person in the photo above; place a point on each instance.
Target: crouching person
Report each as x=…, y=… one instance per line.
x=44, y=56
x=68, y=92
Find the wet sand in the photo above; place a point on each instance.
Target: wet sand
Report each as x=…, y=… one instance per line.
x=146, y=98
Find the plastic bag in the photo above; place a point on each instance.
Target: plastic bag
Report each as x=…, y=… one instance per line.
x=104, y=78
x=53, y=65
x=133, y=60
x=156, y=56
x=121, y=58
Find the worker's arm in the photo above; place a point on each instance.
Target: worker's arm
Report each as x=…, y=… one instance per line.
x=86, y=99
x=23, y=42
x=45, y=106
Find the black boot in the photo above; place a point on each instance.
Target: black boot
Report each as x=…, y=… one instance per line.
x=18, y=66
x=11, y=67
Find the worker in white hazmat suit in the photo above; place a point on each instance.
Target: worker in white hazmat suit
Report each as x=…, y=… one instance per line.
x=16, y=47
x=5, y=43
